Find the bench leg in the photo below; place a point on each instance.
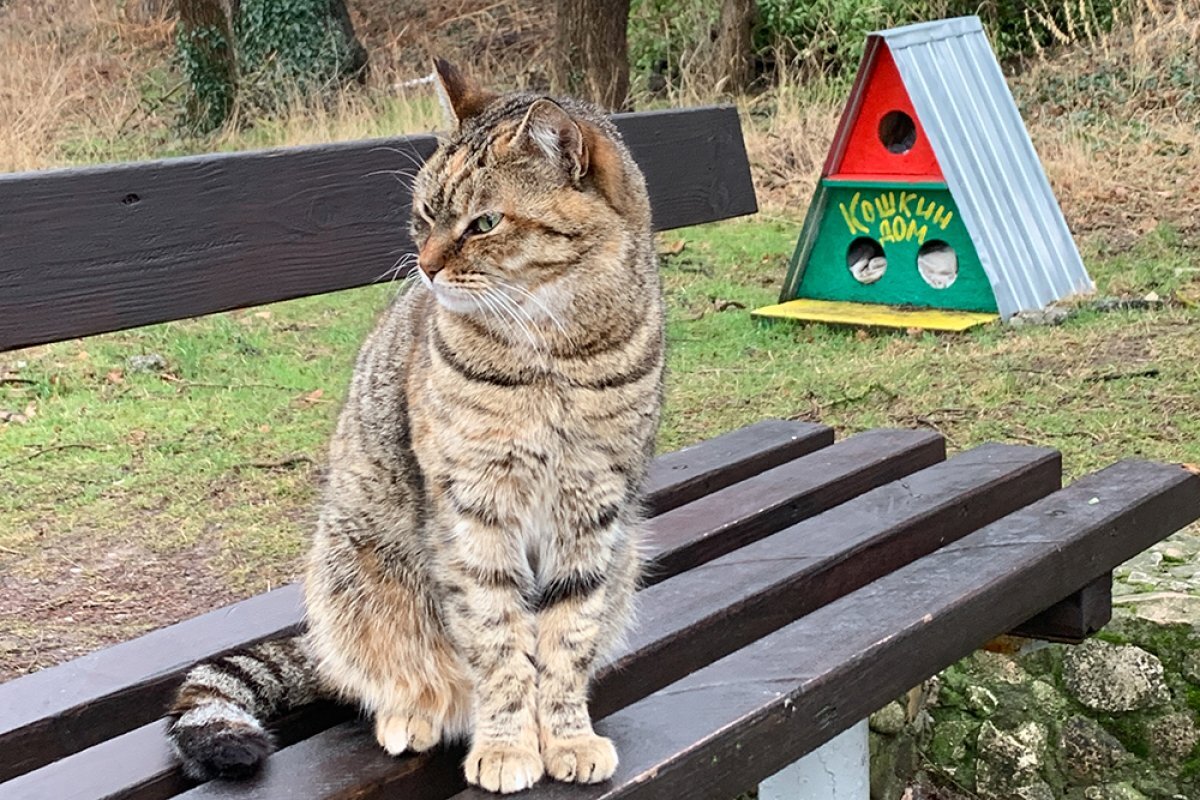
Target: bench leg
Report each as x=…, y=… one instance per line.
x=838, y=770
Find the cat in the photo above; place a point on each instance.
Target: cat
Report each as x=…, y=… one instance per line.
x=476, y=552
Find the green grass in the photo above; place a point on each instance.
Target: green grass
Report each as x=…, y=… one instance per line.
x=215, y=462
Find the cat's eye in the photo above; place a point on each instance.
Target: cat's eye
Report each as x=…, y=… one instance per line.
x=485, y=222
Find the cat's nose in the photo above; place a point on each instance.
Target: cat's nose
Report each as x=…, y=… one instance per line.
x=432, y=257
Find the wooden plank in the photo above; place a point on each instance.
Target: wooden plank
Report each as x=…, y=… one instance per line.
x=134, y=244
x=707, y=612
x=692, y=472
x=1074, y=619
x=842, y=312
x=63, y=709
x=704, y=529
x=726, y=727
x=863, y=461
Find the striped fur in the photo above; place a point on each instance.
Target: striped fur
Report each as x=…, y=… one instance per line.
x=216, y=726
x=476, y=551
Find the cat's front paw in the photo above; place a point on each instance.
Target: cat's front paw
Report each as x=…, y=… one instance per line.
x=397, y=733
x=503, y=767
x=581, y=759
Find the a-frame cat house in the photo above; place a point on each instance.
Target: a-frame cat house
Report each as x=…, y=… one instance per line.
x=933, y=209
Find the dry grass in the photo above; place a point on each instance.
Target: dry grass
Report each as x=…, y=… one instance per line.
x=1115, y=118
x=66, y=66
x=84, y=84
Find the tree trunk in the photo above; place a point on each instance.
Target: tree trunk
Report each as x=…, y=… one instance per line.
x=206, y=47
x=734, y=52
x=264, y=53
x=591, y=54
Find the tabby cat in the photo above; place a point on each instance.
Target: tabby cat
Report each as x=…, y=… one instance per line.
x=476, y=551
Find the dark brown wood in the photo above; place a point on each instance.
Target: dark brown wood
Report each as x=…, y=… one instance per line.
x=691, y=472
x=1074, y=619
x=758, y=505
x=107, y=248
x=58, y=711
x=726, y=727
x=707, y=612
x=790, y=492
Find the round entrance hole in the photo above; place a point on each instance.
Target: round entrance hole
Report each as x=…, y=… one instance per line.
x=938, y=263
x=898, y=132
x=865, y=260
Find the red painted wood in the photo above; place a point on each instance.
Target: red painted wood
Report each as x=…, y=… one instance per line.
x=865, y=153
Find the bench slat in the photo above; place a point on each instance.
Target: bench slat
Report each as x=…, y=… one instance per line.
x=698, y=616
x=64, y=709
x=141, y=243
x=772, y=499
x=1074, y=619
x=799, y=489
x=729, y=725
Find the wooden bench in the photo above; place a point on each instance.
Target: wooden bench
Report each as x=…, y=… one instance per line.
x=796, y=584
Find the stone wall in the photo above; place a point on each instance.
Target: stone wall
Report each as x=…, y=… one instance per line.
x=1117, y=718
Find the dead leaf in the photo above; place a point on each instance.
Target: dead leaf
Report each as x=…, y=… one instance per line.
x=12, y=416
x=1192, y=468
x=136, y=436
x=30, y=411
x=115, y=376
x=721, y=304
x=862, y=335
x=263, y=314
x=264, y=428
x=674, y=248
x=915, y=332
x=313, y=397
x=82, y=355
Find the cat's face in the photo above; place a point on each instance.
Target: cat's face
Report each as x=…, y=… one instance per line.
x=508, y=210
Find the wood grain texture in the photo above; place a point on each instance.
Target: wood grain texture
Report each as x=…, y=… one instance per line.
x=704, y=529
x=701, y=615
x=85, y=251
x=760, y=504
x=692, y=472
x=726, y=727
x=64, y=709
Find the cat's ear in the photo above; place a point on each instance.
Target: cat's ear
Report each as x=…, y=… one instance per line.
x=460, y=96
x=549, y=129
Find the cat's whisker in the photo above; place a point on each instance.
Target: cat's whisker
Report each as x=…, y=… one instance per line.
x=536, y=300
x=498, y=312
x=507, y=305
x=393, y=272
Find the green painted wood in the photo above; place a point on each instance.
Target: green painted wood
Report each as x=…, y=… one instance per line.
x=900, y=220
x=900, y=217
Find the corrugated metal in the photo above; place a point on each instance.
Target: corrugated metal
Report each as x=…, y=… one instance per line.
x=989, y=163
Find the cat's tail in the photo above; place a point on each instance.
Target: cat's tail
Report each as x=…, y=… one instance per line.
x=220, y=715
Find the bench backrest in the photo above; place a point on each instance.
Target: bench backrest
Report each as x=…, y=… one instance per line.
x=85, y=251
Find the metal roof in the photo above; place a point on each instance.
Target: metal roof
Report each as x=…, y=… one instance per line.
x=991, y=169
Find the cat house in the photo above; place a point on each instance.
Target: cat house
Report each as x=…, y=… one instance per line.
x=932, y=209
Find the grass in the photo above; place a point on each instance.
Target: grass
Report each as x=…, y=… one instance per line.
x=194, y=485
x=210, y=464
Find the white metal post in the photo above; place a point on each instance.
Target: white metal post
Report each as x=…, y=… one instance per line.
x=838, y=770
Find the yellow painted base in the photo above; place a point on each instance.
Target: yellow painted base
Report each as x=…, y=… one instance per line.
x=932, y=319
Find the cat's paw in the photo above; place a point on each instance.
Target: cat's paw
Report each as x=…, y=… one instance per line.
x=581, y=759
x=397, y=733
x=503, y=767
